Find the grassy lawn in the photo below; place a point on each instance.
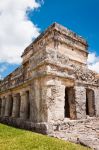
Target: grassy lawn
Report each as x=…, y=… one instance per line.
x=16, y=139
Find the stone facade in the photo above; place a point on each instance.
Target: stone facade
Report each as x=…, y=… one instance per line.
x=52, y=85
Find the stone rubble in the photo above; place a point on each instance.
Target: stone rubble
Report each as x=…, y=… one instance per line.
x=85, y=132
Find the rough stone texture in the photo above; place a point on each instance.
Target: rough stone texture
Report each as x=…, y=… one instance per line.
x=8, y=106
x=97, y=101
x=16, y=106
x=80, y=99
x=85, y=132
x=52, y=85
x=3, y=103
x=55, y=98
x=24, y=105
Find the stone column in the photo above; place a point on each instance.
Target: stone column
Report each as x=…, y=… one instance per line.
x=80, y=99
x=31, y=97
x=56, y=100
x=34, y=97
x=16, y=105
x=0, y=105
x=24, y=106
x=96, y=92
x=3, y=106
x=8, y=106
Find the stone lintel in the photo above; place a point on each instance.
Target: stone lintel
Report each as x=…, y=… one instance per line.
x=85, y=84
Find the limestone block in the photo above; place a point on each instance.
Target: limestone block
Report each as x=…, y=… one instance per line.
x=24, y=105
x=80, y=99
x=0, y=105
x=3, y=106
x=16, y=105
x=56, y=100
x=8, y=106
x=38, y=106
x=96, y=90
x=34, y=97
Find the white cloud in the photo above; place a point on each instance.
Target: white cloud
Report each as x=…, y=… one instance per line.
x=16, y=30
x=93, y=62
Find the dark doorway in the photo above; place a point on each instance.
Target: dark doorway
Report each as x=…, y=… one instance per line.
x=70, y=106
x=90, y=103
x=67, y=106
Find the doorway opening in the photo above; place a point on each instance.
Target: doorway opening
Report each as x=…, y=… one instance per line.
x=90, y=102
x=70, y=106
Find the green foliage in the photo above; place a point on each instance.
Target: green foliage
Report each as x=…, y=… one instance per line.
x=17, y=139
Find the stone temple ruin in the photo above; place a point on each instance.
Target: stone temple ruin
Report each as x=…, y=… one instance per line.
x=52, y=86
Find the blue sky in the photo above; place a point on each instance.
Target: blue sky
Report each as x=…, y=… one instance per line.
x=81, y=16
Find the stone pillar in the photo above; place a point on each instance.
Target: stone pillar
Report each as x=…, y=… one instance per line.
x=96, y=92
x=24, y=105
x=8, y=106
x=0, y=105
x=80, y=99
x=38, y=101
x=16, y=105
x=3, y=106
x=31, y=97
x=56, y=100
x=34, y=96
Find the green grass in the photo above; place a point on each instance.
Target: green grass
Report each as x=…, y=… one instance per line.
x=16, y=139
